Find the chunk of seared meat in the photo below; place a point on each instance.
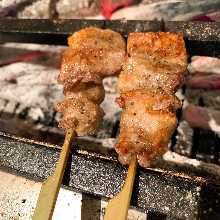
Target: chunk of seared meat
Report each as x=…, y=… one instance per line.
x=93, y=54
x=81, y=115
x=140, y=73
x=164, y=47
x=151, y=74
x=148, y=121
x=93, y=92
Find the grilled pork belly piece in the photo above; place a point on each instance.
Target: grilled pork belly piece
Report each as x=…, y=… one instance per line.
x=160, y=47
x=147, y=123
x=142, y=73
x=92, y=55
x=155, y=61
x=153, y=71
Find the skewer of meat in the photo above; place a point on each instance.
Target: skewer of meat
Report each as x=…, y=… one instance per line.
x=154, y=70
x=92, y=55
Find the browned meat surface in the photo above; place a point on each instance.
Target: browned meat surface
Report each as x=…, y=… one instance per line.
x=78, y=67
x=141, y=73
x=81, y=115
x=147, y=123
x=95, y=93
x=162, y=47
x=153, y=71
x=155, y=61
x=92, y=55
x=96, y=38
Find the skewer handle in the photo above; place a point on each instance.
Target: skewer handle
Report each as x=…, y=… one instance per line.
x=118, y=206
x=50, y=188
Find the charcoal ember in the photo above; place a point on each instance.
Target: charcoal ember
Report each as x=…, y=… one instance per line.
x=167, y=10
x=215, y=16
x=77, y=9
x=204, y=118
x=205, y=145
x=112, y=114
x=109, y=6
x=38, y=9
x=8, y=7
x=6, y=3
x=3, y=103
x=36, y=115
x=9, y=110
x=36, y=83
x=152, y=1
x=204, y=74
x=201, y=97
x=22, y=111
x=57, y=118
x=184, y=139
x=110, y=84
x=112, y=111
x=204, y=65
x=204, y=82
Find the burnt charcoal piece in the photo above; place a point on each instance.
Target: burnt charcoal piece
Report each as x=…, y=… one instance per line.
x=205, y=145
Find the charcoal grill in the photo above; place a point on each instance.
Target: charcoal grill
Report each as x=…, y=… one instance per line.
x=167, y=192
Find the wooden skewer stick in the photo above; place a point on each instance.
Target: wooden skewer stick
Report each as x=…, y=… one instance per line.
x=118, y=206
x=50, y=188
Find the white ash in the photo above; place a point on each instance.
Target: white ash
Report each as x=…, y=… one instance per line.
x=214, y=125
x=21, y=109
x=36, y=80
x=187, y=162
x=33, y=86
x=180, y=95
x=156, y=1
x=95, y=17
x=133, y=214
x=203, y=64
x=2, y=105
x=36, y=114
x=110, y=84
x=10, y=107
x=77, y=9
x=167, y=10
x=184, y=139
x=6, y=3
x=110, y=107
x=38, y=47
x=38, y=9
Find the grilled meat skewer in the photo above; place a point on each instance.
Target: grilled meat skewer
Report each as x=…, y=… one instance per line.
x=92, y=54
x=154, y=70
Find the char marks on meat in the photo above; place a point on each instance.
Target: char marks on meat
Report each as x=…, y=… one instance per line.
x=150, y=76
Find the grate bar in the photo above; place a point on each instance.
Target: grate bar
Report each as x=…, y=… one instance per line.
x=160, y=191
x=201, y=38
